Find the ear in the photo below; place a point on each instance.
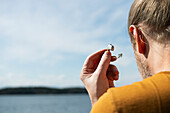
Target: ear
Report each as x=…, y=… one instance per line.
x=139, y=39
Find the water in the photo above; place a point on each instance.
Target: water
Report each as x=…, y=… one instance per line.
x=45, y=104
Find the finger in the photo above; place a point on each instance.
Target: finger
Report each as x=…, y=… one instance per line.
x=104, y=63
x=91, y=64
x=93, y=59
x=112, y=72
x=112, y=76
x=113, y=58
x=111, y=84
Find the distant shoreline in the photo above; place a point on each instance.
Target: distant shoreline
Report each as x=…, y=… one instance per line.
x=41, y=90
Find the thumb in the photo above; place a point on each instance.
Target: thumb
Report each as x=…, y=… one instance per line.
x=104, y=63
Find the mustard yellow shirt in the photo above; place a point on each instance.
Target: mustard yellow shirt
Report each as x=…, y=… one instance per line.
x=152, y=95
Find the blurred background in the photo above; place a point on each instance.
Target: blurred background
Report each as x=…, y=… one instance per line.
x=45, y=42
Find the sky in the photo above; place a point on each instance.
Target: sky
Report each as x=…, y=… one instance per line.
x=45, y=42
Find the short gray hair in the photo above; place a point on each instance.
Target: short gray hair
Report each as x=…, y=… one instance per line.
x=152, y=17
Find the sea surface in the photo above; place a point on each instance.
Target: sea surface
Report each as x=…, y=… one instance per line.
x=45, y=104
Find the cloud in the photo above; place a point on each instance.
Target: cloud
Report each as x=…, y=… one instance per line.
x=44, y=33
x=12, y=79
x=16, y=80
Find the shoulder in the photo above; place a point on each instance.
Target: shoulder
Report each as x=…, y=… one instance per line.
x=144, y=95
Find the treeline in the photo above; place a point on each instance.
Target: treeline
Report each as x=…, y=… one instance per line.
x=42, y=90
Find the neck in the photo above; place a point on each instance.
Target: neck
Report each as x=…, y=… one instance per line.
x=159, y=58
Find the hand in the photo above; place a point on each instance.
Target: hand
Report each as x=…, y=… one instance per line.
x=98, y=74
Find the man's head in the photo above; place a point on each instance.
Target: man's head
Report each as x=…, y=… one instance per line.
x=149, y=24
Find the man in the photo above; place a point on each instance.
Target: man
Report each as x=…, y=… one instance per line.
x=149, y=29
